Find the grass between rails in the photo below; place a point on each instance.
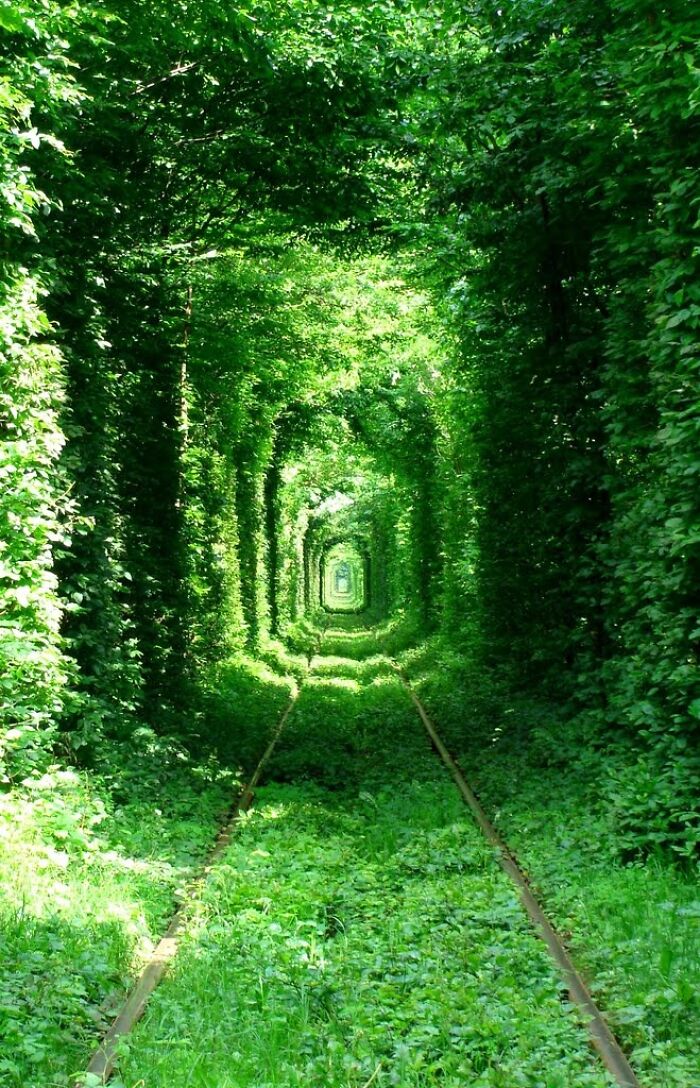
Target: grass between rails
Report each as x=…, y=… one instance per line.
x=371, y=913
x=633, y=927
x=351, y=639
x=89, y=866
x=359, y=929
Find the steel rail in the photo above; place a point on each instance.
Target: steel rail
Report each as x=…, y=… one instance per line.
x=602, y=1037
x=102, y=1063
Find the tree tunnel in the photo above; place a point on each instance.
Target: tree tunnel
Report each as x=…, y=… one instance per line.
x=318, y=305
x=380, y=319
x=352, y=551
x=344, y=578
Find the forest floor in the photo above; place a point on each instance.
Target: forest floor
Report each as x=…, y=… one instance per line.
x=359, y=930
x=90, y=864
x=631, y=923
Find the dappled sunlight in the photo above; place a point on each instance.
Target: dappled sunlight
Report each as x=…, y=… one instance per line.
x=359, y=918
x=348, y=394
x=331, y=662
x=345, y=683
x=363, y=670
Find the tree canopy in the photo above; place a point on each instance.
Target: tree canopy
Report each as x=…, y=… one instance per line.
x=434, y=265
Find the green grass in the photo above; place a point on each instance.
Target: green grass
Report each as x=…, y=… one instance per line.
x=89, y=867
x=87, y=882
x=354, y=637
x=241, y=699
x=633, y=927
x=359, y=930
x=283, y=660
x=349, y=668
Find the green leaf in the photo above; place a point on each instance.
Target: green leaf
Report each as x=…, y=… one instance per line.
x=11, y=20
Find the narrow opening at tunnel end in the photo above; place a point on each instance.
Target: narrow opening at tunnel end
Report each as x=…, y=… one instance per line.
x=343, y=582
x=344, y=343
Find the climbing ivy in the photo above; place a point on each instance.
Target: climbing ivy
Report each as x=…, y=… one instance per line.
x=561, y=164
x=36, y=88
x=426, y=277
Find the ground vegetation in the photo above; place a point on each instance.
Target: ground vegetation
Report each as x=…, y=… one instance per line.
x=414, y=285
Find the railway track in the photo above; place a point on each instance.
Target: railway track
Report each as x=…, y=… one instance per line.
x=602, y=1038
x=613, y=1058
x=102, y=1063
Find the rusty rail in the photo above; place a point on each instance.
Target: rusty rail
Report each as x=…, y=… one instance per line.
x=602, y=1037
x=102, y=1063
x=104, y=1059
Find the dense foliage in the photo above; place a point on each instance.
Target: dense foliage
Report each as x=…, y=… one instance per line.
x=135, y=141
x=417, y=280
x=563, y=170
x=375, y=933
x=33, y=502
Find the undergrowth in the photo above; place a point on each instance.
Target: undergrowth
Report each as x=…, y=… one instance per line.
x=90, y=865
x=632, y=919
x=359, y=929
